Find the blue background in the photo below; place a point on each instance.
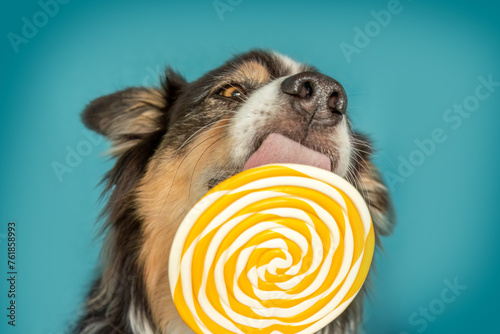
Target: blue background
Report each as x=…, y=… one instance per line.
x=426, y=59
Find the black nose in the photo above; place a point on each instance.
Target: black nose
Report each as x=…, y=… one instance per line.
x=317, y=95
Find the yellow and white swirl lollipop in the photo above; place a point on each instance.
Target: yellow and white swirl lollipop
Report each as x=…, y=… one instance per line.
x=275, y=249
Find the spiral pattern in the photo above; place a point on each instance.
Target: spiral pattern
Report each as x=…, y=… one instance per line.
x=275, y=249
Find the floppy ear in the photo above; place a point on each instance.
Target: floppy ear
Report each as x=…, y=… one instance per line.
x=372, y=187
x=127, y=116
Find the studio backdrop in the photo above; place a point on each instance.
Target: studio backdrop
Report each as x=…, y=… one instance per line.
x=423, y=81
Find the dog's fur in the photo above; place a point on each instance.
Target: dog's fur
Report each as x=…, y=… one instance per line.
x=172, y=144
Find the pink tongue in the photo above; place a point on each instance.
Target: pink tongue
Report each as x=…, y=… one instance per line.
x=280, y=149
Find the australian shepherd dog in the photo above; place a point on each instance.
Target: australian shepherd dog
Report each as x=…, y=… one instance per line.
x=175, y=142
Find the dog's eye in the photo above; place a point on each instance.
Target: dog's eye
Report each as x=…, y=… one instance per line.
x=232, y=91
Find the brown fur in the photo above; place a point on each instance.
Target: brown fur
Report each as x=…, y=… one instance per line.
x=254, y=71
x=162, y=209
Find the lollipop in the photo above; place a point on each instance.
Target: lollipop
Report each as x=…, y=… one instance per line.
x=275, y=249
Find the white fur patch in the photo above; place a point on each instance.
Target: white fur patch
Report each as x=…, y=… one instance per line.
x=293, y=66
x=253, y=115
x=138, y=323
x=344, y=146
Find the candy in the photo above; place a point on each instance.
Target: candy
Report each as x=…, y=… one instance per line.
x=275, y=249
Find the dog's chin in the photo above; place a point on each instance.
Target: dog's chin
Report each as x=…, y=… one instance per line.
x=277, y=148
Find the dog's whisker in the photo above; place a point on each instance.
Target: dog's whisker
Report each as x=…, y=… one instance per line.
x=178, y=167
x=193, y=137
x=357, y=179
x=198, y=160
x=196, y=132
x=373, y=151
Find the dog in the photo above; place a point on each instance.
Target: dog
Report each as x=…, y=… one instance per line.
x=174, y=143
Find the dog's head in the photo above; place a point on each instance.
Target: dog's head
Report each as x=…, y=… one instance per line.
x=174, y=143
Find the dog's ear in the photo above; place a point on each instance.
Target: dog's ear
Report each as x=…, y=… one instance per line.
x=127, y=116
x=372, y=187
